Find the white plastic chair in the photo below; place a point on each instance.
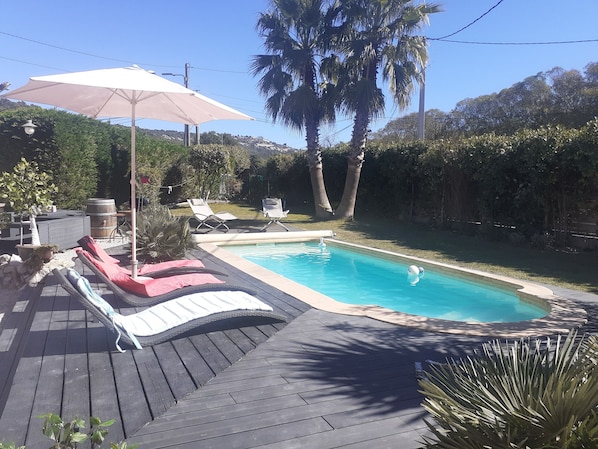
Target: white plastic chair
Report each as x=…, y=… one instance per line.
x=272, y=209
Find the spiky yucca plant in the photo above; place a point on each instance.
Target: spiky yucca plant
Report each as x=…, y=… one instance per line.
x=161, y=236
x=528, y=394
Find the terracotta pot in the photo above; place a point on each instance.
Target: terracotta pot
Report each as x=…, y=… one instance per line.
x=25, y=250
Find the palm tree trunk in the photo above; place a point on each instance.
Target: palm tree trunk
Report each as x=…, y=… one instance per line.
x=346, y=208
x=323, y=209
x=322, y=205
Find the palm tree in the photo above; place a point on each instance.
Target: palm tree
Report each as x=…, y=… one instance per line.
x=291, y=80
x=376, y=36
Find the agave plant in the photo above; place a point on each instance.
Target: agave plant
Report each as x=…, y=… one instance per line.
x=524, y=394
x=160, y=236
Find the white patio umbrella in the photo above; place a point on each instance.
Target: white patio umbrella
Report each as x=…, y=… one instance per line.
x=129, y=92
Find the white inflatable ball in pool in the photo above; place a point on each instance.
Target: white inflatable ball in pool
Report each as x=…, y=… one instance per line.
x=413, y=269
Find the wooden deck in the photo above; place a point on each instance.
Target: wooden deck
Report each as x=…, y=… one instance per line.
x=54, y=359
x=321, y=380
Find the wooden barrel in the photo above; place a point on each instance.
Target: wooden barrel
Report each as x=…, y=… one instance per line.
x=102, y=217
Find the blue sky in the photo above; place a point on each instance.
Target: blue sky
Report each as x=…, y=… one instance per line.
x=218, y=39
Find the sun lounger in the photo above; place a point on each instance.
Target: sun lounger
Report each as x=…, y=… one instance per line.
x=155, y=270
x=166, y=320
x=206, y=216
x=146, y=292
x=273, y=211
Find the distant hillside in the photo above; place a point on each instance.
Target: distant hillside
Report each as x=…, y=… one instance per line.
x=255, y=145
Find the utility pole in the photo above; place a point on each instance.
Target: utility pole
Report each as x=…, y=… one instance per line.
x=187, y=139
x=186, y=134
x=421, y=122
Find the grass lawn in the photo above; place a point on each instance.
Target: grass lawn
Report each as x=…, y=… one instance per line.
x=575, y=270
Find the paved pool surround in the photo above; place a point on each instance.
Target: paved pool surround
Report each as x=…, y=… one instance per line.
x=563, y=314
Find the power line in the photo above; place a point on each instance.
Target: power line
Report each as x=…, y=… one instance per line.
x=580, y=41
x=466, y=26
x=105, y=57
x=70, y=50
x=219, y=70
x=31, y=63
x=444, y=38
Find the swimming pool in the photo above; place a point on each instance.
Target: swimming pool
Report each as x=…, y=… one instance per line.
x=354, y=277
x=563, y=313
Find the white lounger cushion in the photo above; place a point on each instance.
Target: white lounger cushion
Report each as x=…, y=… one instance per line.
x=175, y=312
x=169, y=314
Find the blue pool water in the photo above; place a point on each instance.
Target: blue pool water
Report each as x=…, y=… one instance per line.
x=354, y=277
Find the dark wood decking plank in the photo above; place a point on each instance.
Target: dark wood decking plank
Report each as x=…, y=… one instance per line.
x=270, y=329
x=135, y=411
x=244, y=439
x=376, y=435
x=235, y=385
x=255, y=334
x=76, y=392
x=241, y=340
x=363, y=414
x=281, y=391
x=48, y=396
x=237, y=432
x=154, y=381
x=282, y=301
x=17, y=412
x=291, y=411
x=226, y=346
x=252, y=371
x=103, y=394
x=206, y=412
x=210, y=353
x=268, y=435
x=178, y=378
x=187, y=406
x=194, y=363
x=13, y=341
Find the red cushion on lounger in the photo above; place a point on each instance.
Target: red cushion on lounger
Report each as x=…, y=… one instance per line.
x=149, y=267
x=147, y=286
x=89, y=244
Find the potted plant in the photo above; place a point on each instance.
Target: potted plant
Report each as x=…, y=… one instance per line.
x=28, y=191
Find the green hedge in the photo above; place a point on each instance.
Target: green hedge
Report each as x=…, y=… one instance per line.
x=530, y=183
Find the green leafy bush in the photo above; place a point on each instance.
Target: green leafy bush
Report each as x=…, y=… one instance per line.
x=526, y=394
x=69, y=434
x=161, y=236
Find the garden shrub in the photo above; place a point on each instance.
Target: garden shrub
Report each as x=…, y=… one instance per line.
x=161, y=236
x=527, y=394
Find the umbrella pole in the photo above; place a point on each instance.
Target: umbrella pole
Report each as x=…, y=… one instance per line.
x=133, y=202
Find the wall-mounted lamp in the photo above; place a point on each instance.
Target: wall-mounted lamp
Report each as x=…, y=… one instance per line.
x=29, y=127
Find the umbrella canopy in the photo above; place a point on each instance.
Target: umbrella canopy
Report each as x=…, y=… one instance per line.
x=129, y=92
